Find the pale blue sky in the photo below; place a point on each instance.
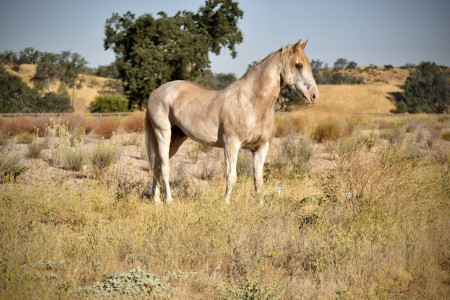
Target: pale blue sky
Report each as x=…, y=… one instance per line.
x=369, y=32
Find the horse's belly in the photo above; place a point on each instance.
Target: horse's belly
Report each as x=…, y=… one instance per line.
x=201, y=132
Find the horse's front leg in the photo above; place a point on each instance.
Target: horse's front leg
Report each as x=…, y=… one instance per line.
x=231, y=150
x=259, y=156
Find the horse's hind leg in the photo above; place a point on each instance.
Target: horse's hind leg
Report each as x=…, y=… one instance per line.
x=153, y=158
x=163, y=138
x=177, y=139
x=156, y=180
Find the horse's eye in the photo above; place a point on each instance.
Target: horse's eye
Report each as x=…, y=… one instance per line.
x=299, y=66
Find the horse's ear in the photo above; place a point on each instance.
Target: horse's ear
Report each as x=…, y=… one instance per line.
x=304, y=44
x=297, y=45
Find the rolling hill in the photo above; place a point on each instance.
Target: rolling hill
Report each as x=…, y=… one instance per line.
x=375, y=96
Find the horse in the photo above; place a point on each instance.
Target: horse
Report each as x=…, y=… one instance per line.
x=238, y=116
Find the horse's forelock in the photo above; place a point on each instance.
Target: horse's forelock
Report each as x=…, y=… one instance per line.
x=290, y=57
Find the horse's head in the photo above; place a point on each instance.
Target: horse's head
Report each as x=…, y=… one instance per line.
x=297, y=73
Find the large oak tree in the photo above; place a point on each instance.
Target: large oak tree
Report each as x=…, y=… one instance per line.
x=151, y=51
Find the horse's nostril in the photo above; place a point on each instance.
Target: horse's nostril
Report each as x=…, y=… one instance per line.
x=314, y=96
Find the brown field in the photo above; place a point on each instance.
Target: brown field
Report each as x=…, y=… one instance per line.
x=362, y=213
x=356, y=206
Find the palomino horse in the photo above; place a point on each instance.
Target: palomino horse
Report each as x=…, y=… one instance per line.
x=238, y=116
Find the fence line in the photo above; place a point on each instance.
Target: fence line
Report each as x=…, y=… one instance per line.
x=59, y=115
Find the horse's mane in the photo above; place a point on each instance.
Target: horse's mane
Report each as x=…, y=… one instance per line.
x=260, y=62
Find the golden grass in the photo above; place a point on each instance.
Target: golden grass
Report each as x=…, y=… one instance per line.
x=344, y=99
x=373, y=226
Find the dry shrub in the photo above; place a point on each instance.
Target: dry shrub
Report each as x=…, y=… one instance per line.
x=350, y=144
x=74, y=158
x=40, y=124
x=293, y=158
x=4, y=139
x=10, y=168
x=134, y=123
x=14, y=126
x=103, y=156
x=445, y=135
x=298, y=122
x=35, y=148
x=25, y=138
x=73, y=121
x=394, y=136
x=58, y=140
x=90, y=125
x=131, y=139
x=327, y=130
x=107, y=127
x=282, y=126
x=331, y=130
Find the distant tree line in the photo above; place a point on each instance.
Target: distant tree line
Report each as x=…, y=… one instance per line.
x=323, y=75
x=65, y=67
x=17, y=97
x=50, y=67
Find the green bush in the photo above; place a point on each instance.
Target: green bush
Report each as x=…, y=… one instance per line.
x=426, y=90
x=109, y=103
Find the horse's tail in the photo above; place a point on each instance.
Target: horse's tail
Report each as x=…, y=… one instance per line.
x=150, y=141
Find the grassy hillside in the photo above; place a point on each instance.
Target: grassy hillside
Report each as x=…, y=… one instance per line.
x=373, y=97
x=92, y=86
x=378, y=75
x=354, y=99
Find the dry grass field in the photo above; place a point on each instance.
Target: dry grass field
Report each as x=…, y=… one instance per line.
x=355, y=207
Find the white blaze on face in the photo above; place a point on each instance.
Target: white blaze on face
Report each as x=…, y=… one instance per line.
x=306, y=85
x=298, y=73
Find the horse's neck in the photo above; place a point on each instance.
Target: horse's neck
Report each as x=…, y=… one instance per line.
x=267, y=82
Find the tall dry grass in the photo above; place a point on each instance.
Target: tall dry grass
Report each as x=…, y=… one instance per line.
x=374, y=226
x=107, y=127
x=134, y=123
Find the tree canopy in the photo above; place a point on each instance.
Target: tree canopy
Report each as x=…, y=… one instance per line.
x=426, y=90
x=151, y=51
